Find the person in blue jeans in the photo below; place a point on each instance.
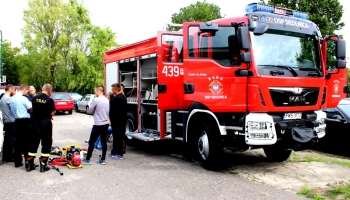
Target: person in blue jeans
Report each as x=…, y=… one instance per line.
x=98, y=144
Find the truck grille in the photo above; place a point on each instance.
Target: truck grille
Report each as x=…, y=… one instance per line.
x=291, y=96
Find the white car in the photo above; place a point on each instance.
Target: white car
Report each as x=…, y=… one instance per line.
x=84, y=103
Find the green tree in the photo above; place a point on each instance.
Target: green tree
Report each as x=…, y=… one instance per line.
x=325, y=13
x=198, y=12
x=10, y=64
x=59, y=39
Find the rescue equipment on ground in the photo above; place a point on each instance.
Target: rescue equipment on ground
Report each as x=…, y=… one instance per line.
x=56, y=151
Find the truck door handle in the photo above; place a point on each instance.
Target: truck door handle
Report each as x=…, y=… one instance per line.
x=161, y=88
x=188, y=88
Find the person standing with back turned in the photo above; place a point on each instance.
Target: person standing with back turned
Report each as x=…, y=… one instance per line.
x=117, y=115
x=43, y=111
x=9, y=124
x=99, y=108
x=20, y=108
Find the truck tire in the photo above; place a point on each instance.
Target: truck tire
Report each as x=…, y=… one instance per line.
x=277, y=155
x=208, y=148
x=130, y=126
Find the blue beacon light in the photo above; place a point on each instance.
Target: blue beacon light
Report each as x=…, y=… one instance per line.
x=253, y=7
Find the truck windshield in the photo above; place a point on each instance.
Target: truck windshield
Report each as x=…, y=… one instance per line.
x=285, y=50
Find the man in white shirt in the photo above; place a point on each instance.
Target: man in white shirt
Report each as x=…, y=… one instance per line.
x=20, y=108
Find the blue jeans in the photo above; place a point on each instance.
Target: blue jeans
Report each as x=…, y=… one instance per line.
x=98, y=144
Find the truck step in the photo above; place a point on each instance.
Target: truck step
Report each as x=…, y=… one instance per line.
x=179, y=124
x=179, y=138
x=235, y=128
x=147, y=137
x=182, y=111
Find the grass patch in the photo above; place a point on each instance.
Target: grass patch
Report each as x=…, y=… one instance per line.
x=310, y=193
x=339, y=192
x=234, y=172
x=343, y=191
x=315, y=158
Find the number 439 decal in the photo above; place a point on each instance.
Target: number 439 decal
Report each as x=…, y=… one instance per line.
x=171, y=71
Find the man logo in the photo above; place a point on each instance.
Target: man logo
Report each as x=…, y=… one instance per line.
x=298, y=90
x=296, y=99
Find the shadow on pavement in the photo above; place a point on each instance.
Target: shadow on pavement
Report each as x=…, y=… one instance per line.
x=175, y=148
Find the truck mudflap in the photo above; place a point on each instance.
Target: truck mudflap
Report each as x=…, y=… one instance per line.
x=302, y=138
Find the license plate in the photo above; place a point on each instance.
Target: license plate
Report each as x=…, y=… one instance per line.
x=292, y=115
x=61, y=103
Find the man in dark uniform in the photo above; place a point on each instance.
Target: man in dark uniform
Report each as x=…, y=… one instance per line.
x=117, y=115
x=43, y=110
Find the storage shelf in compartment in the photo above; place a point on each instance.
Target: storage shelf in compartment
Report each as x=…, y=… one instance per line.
x=129, y=87
x=150, y=104
x=148, y=72
x=127, y=73
x=148, y=78
x=132, y=103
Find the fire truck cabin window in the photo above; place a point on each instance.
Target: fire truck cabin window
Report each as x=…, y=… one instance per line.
x=221, y=46
x=172, y=50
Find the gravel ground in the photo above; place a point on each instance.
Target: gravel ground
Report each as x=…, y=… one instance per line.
x=141, y=175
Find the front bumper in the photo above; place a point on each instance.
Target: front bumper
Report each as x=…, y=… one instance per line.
x=261, y=129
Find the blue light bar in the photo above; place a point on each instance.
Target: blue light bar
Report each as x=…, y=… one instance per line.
x=254, y=7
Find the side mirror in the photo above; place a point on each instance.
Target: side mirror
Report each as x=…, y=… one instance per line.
x=340, y=64
x=340, y=49
x=208, y=27
x=243, y=38
x=261, y=29
x=246, y=57
x=338, y=117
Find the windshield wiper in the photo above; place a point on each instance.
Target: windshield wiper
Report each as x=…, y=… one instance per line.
x=285, y=67
x=318, y=73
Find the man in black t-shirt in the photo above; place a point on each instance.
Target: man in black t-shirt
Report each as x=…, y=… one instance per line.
x=117, y=116
x=43, y=110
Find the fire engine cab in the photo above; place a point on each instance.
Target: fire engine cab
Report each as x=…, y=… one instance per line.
x=256, y=81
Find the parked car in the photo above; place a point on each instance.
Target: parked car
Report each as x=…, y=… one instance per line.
x=76, y=97
x=337, y=130
x=84, y=103
x=63, y=101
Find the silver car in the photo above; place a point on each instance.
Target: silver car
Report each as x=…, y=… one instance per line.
x=84, y=103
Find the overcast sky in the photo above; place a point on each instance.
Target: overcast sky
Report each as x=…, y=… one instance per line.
x=132, y=20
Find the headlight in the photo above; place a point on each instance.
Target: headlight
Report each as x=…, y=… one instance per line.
x=259, y=125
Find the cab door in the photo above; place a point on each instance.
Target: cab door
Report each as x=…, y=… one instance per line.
x=170, y=70
x=210, y=64
x=336, y=72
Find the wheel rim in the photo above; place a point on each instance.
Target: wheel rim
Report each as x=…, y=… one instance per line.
x=129, y=128
x=87, y=109
x=203, y=145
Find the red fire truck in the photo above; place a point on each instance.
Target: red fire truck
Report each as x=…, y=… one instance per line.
x=256, y=81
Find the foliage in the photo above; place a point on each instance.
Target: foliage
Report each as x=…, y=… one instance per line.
x=315, y=158
x=308, y=193
x=198, y=12
x=60, y=44
x=325, y=13
x=10, y=62
x=337, y=192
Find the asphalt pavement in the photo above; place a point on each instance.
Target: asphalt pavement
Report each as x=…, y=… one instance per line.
x=143, y=174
